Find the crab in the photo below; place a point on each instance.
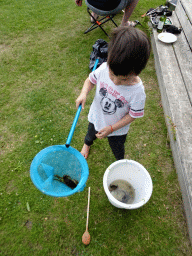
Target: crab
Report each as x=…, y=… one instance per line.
x=67, y=180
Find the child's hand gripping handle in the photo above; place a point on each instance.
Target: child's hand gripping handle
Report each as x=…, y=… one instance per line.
x=68, y=142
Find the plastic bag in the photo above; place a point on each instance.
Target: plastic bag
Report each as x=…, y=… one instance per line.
x=173, y=29
x=100, y=49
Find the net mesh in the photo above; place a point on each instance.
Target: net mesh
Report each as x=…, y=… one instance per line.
x=58, y=163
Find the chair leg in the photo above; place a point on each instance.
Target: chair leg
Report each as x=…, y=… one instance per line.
x=98, y=23
x=114, y=21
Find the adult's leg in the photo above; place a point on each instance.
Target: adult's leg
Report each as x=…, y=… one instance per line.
x=128, y=11
x=117, y=145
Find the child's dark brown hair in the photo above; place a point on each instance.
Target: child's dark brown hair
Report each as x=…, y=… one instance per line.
x=128, y=51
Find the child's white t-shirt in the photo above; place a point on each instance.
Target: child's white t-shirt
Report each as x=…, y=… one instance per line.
x=112, y=102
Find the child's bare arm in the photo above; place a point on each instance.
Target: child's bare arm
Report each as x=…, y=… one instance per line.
x=87, y=87
x=121, y=123
x=127, y=119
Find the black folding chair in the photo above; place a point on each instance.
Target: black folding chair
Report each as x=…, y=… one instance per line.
x=107, y=15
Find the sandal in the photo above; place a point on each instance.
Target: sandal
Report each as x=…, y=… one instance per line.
x=95, y=16
x=133, y=23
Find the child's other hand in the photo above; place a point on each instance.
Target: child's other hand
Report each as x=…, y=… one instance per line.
x=81, y=100
x=103, y=132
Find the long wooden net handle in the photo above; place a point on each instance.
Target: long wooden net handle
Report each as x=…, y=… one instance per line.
x=88, y=209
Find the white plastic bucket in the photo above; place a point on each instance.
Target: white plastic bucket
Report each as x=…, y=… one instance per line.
x=136, y=175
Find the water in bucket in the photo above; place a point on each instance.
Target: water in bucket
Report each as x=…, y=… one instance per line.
x=123, y=191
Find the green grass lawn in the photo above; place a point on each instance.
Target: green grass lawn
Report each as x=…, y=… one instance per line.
x=44, y=58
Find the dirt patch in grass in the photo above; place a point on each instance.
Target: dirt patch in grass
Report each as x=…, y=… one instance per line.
x=29, y=224
x=9, y=141
x=11, y=187
x=4, y=48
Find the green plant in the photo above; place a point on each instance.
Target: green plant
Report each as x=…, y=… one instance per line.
x=172, y=127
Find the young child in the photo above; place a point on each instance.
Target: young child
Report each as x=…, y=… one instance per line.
x=120, y=95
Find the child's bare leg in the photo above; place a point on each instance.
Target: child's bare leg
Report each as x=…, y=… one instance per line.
x=89, y=138
x=85, y=150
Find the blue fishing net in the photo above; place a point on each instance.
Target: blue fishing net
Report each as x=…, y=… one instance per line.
x=58, y=160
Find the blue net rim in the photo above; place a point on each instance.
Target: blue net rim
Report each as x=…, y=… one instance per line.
x=35, y=163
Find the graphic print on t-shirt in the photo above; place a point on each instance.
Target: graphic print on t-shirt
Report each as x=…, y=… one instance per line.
x=109, y=107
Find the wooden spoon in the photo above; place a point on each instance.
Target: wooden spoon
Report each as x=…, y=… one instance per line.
x=86, y=236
